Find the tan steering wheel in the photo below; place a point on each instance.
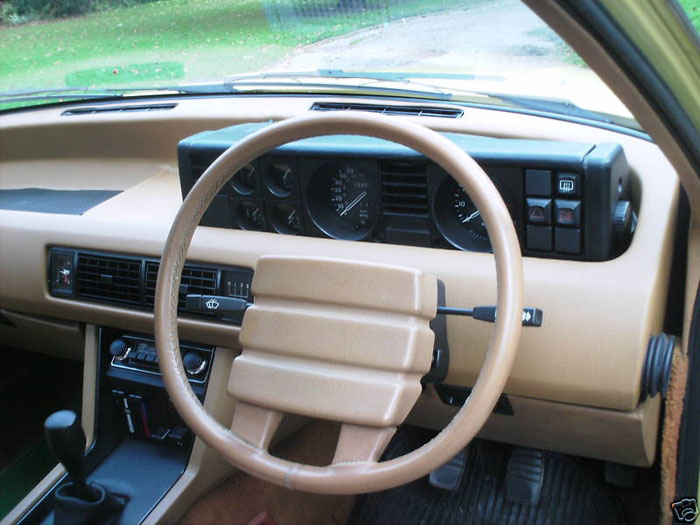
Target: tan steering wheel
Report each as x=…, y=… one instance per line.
x=355, y=468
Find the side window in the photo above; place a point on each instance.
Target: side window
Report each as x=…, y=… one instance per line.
x=692, y=9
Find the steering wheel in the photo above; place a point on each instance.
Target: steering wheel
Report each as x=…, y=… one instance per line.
x=356, y=467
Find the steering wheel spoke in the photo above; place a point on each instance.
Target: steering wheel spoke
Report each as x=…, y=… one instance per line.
x=256, y=425
x=361, y=444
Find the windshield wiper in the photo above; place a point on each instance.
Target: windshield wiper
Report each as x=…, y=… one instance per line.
x=323, y=80
x=70, y=94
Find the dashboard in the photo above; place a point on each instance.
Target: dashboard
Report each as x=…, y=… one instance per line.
x=567, y=200
x=126, y=173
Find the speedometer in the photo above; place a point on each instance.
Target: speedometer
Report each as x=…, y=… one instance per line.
x=343, y=198
x=350, y=197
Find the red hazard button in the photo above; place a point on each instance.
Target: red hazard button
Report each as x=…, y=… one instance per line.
x=539, y=211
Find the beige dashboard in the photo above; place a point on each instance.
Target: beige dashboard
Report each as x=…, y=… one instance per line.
x=582, y=367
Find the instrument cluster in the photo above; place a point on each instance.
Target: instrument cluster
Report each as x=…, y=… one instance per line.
x=567, y=200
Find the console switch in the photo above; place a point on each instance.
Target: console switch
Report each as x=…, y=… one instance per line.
x=538, y=183
x=567, y=213
x=568, y=184
x=539, y=238
x=567, y=240
x=539, y=211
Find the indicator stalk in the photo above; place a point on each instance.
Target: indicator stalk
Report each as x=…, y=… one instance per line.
x=531, y=316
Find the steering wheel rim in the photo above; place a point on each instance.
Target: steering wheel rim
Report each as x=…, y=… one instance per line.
x=357, y=476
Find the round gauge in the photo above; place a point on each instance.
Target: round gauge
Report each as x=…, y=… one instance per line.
x=343, y=200
x=250, y=215
x=349, y=197
x=280, y=179
x=467, y=213
x=245, y=181
x=459, y=220
x=286, y=218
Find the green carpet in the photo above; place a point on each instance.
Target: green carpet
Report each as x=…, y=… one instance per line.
x=18, y=479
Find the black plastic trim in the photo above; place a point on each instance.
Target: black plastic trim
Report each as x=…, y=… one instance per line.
x=419, y=111
x=656, y=372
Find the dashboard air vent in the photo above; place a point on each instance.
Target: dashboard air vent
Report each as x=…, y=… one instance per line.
x=117, y=109
x=195, y=280
x=404, y=188
x=418, y=111
x=109, y=279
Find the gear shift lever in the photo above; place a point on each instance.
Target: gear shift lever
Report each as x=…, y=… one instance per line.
x=77, y=502
x=66, y=440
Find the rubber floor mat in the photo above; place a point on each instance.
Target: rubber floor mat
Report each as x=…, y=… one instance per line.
x=572, y=493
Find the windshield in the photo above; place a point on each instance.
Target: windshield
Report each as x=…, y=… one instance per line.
x=55, y=50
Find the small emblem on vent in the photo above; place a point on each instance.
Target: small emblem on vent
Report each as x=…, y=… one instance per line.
x=212, y=304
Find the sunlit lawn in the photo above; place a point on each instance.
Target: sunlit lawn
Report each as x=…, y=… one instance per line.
x=170, y=41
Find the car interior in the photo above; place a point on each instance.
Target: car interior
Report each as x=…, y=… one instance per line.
x=321, y=306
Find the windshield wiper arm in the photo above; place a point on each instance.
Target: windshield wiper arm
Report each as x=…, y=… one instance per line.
x=58, y=96
x=563, y=107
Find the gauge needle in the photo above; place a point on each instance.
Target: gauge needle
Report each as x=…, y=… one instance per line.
x=354, y=203
x=472, y=216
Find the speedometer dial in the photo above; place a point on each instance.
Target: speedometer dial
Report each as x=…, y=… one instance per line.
x=350, y=197
x=343, y=198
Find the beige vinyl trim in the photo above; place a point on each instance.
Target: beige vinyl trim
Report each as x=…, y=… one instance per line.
x=47, y=335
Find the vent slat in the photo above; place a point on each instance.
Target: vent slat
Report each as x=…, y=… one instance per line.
x=195, y=280
x=420, y=111
x=404, y=189
x=110, y=279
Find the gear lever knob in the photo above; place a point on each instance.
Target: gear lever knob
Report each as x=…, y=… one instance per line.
x=66, y=440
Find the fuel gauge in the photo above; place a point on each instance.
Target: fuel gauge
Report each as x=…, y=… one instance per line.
x=286, y=218
x=250, y=215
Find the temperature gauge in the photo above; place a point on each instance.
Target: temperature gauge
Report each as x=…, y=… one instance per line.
x=286, y=218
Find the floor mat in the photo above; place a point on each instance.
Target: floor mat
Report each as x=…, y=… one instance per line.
x=242, y=497
x=572, y=493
